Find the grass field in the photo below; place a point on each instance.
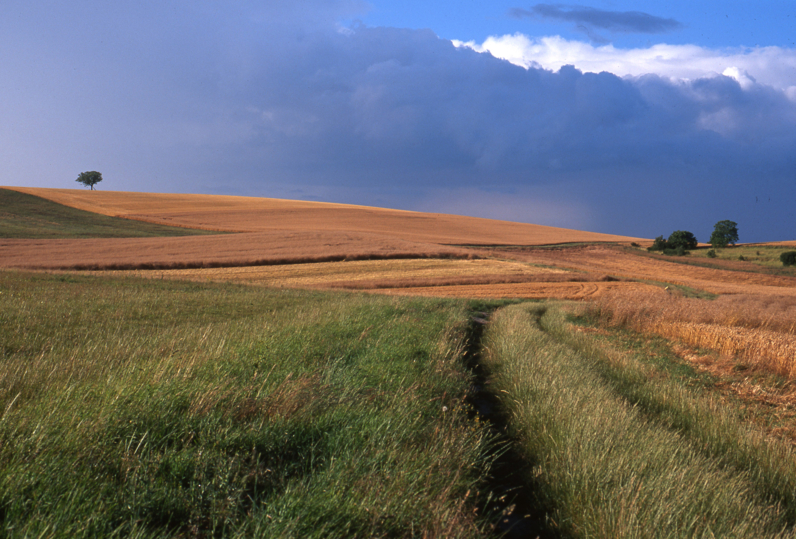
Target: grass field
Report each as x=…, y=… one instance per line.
x=763, y=254
x=619, y=446
x=144, y=408
x=27, y=216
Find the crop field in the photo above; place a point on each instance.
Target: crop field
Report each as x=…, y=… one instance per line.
x=758, y=330
x=660, y=269
x=320, y=370
x=28, y=216
x=247, y=214
x=365, y=273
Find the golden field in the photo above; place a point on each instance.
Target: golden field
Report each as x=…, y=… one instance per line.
x=320, y=245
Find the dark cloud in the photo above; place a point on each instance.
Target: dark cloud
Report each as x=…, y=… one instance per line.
x=268, y=105
x=587, y=19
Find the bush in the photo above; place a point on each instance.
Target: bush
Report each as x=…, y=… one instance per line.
x=659, y=244
x=788, y=258
x=682, y=238
x=711, y=254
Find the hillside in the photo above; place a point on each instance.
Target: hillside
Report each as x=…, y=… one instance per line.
x=299, y=244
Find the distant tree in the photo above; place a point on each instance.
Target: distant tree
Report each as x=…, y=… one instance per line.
x=681, y=238
x=724, y=233
x=90, y=178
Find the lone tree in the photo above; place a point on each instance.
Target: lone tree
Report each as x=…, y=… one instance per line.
x=90, y=178
x=681, y=238
x=724, y=233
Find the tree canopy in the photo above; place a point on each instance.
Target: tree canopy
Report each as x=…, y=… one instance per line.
x=724, y=233
x=90, y=178
x=682, y=238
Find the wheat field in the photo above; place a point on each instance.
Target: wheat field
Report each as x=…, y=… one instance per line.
x=758, y=330
x=284, y=243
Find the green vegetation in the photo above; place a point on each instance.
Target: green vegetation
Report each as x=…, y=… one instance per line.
x=788, y=258
x=724, y=233
x=624, y=447
x=28, y=216
x=90, y=178
x=682, y=239
x=761, y=255
x=153, y=408
x=679, y=242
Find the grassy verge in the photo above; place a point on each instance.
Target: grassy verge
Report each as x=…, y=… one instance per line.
x=32, y=217
x=749, y=259
x=762, y=255
x=622, y=450
x=143, y=408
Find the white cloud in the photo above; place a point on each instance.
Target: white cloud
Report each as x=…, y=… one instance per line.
x=772, y=66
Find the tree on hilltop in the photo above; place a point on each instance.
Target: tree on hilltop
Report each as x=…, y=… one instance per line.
x=724, y=233
x=90, y=178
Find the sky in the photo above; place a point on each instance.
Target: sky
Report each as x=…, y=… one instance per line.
x=636, y=118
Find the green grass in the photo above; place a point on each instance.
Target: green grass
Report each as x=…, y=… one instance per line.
x=761, y=258
x=762, y=255
x=32, y=217
x=149, y=409
x=624, y=448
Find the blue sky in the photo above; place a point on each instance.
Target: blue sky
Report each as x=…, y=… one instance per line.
x=636, y=118
x=727, y=23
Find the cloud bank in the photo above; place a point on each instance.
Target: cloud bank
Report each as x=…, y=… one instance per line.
x=265, y=101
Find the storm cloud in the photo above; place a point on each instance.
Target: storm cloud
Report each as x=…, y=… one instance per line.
x=587, y=19
x=267, y=102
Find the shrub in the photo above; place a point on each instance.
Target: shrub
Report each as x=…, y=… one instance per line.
x=659, y=244
x=682, y=238
x=711, y=254
x=788, y=258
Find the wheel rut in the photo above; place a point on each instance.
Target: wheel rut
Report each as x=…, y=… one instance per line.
x=510, y=480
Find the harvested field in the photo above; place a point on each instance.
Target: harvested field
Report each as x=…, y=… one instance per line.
x=270, y=233
x=250, y=249
x=249, y=214
x=479, y=278
x=620, y=263
x=539, y=290
x=363, y=274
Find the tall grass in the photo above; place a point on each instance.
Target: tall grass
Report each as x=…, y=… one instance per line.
x=759, y=329
x=609, y=467
x=145, y=408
